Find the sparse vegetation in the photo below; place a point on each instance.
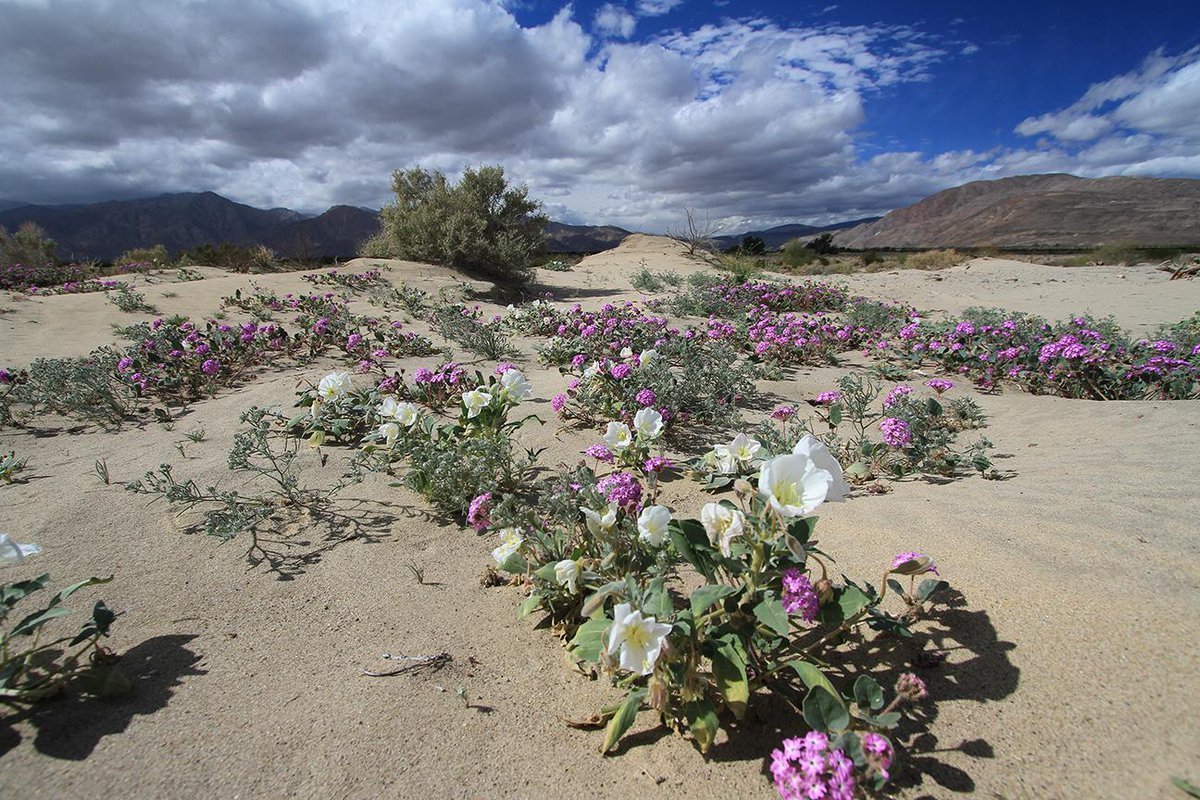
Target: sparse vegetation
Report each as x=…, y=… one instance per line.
x=479, y=224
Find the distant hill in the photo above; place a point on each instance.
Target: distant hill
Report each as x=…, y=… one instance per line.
x=777, y=237
x=183, y=221
x=562, y=238
x=1042, y=211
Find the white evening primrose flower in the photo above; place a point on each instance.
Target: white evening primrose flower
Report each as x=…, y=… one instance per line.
x=475, y=401
x=14, y=552
x=647, y=356
x=591, y=371
x=626, y=352
x=510, y=542
x=390, y=432
x=566, y=572
x=618, y=436
x=334, y=385
x=387, y=407
x=744, y=448
x=516, y=386
x=793, y=485
x=600, y=521
x=815, y=449
x=652, y=525
x=648, y=423
x=638, y=639
x=722, y=524
x=406, y=414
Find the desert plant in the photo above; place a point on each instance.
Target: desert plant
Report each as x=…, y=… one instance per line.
x=934, y=259
x=796, y=255
x=695, y=234
x=129, y=300
x=11, y=465
x=143, y=258
x=29, y=246
x=479, y=224
x=467, y=328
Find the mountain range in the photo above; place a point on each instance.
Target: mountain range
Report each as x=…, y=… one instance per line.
x=1036, y=211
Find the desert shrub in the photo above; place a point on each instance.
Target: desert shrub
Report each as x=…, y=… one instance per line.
x=11, y=465
x=141, y=259
x=646, y=281
x=129, y=300
x=934, y=259
x=479, y=224
x=823, y=245
x=233, y=257
x=556, y=266
x=796, y=255
x=742, y=267
x=354, y=282
x=29, y=246
x=868, y=257
x=91, y=388
x=753, y=246
x=467, y=328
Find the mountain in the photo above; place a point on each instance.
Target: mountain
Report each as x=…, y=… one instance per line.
x=563, y=238
x=183, y=221
x=777, y=237
x=179, y=221
x=1054, y=210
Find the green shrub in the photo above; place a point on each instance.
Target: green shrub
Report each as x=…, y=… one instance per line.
x=142, y=258
x=935, y=259
x=795, y=255
x=478, y=224
x=29, y=246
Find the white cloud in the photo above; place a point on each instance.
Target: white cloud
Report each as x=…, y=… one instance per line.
x=656, y=8
x=614, y=21
x=306, y=103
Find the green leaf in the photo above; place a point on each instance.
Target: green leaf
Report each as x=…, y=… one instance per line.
x=546, y=572
x=852, y=600
x=928, y=587
x=812, y=676
x=770, y=613
x=703, y=723
x=704, y=597
x=824, y=711
x=729, y=673
x=933, y=407
x=37, y=619
x=691, y=542
x=888, y=720
x=835, y=416
x=803, y=528
x=594, y=604
x=895, y=586
x=514, y=564
x=657, y=602
x=70, y=590
x=12, y=593
x=623, y=719
x=531, y=604
x=589, y=639
x=1186, y=786
x=868, y=693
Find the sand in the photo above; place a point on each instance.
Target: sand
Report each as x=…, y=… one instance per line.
x=1073, y=670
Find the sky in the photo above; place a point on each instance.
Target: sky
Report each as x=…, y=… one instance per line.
x=627, y=112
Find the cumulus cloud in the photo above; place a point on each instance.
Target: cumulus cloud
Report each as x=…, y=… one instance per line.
x=305, y=103
x=614, y=21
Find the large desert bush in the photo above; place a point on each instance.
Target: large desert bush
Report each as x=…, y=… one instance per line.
x=479, y=224
x=935, y=259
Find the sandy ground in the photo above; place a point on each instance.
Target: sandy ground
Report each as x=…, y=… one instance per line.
x=1073, y=670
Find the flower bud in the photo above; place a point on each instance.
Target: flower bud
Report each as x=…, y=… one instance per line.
x=659, y=694
x=743, y=487
x=824, y=590
x=910, y=687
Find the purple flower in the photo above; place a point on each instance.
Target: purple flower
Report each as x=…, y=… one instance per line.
x=621, y=488
x=477, y=512
x=939, y=385
x=504, y=367
x=354, y=340
x=620, y=371
x=911, y=688
x=878, y=751
x=5, y=376
x=783, y=413
x=657, y=464
x=578, y=360
x=799, y=597
x=558, y=402
x=894, y=395
x=646, y=398
x=964, y=328
x=828, y=398
x=423, y=375
x=806, y=769
x=904, y=558
x=600, y=453
x=895, y=432
x=210, y=366
x=124, y=365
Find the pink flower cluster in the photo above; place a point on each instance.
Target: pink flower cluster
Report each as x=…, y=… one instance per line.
x=895, y=432
x=809, y=769
x=799, y=596
x=621, y=488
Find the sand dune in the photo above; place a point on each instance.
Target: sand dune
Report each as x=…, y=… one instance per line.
x=1072, y=670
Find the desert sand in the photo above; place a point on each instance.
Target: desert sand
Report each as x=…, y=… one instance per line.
x=1072, y=669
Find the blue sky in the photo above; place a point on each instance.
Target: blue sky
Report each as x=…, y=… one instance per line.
x=623, y=112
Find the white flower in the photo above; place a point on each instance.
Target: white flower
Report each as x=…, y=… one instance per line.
x=316, y=438
x=647, y=356
x=387, y=407
x=648, y=423
x=515, y=385
x=510, y=542
x=617, y=436
x=740, y=452
x=794, y=485
x=722, y=524
x=475, y=401
x=390, y=431
x=407, y=414
x=626, y=352
x=14, y=552
x=566, y=572
x=600, y=521
x=334, y=385
x=812, y=447
x=315, y=409
x=591, y=371
x=639, y=639
x=652, y=525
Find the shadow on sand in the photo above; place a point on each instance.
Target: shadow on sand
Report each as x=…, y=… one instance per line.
x=69, y=727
